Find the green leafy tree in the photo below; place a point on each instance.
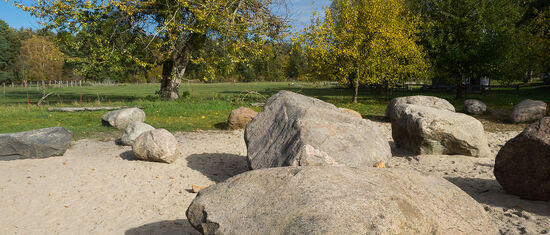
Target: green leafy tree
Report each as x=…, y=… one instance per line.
x=9, y=49
x=165, y=32
x=364, y=42
x=473, y=38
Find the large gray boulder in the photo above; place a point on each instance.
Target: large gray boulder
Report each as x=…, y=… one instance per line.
x=336, y=200
x=475, y=107
x=40, y=143
x=426, y=130
x=123, y=117
x=132, y=131
x=296, y=130
x=429, y=101
x=157, y=145
x=522, y=165
x=240, y=117
x=528, y=111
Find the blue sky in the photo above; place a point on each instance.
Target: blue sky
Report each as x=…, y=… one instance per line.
x=300, y=13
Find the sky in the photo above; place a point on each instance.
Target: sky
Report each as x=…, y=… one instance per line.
x=300, y=14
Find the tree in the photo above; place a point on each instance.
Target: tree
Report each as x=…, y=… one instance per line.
x=473, y=38
x=165, y=32
x=9, y=48
x=40, y=59
x=364, y=42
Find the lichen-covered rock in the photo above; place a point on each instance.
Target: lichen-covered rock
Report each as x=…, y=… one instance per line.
x=426, y=130
x=528, y=111
x=123, y=117
x=522, y=165
x=429, y=101
x=40, y=143
x=157, y=145
x=132, y=131
x=296, y=130
x=473, y=106
x=336, y=200
x=239, y=118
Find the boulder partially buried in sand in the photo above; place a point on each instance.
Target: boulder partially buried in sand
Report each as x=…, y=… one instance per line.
x=426, y=130
x=239, y=118
x=528, y=110
x=132, y=131
x=473, y=106
x=429, y=101
x=522, y=165
x=40, y=143
x=336, y=200
x=296, y=130
x=123, y=117
x=157, y=145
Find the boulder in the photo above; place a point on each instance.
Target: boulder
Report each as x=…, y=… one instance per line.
x=352, y=112
x=522, y=165
x=475, y=107
x=296, y=130
x=239, y=118
x=132, y=131
x=528, y=111
x=426, y=130
x=157, y=145
x=336, y=200
x=429, y=101
x=123, y=117
x=41, y=143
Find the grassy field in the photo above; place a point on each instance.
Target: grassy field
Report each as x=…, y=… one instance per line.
x=206, y=106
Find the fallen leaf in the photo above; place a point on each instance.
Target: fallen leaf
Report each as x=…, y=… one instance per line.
x=380, y=164
x=197, y=188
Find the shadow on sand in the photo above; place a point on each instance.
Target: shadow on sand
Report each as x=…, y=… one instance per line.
x=218, y=166
x=489, y=191
x=167, y=227
x=128, y=155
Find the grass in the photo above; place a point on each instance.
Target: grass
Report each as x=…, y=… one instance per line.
x=206, y=106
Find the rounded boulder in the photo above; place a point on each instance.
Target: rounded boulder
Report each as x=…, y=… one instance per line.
x=157, y=145
x=336, y=200
x=239, y=118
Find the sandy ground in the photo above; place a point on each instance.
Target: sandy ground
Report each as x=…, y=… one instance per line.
x=100, y=188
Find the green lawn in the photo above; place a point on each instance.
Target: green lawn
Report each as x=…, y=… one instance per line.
x=204, y=106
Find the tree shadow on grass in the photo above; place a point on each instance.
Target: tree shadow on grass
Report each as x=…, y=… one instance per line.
x=218, y=166
x=221, y=126
x=167, y=227
x=489, y=192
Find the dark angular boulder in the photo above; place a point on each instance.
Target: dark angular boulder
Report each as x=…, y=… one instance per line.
x=41, y=143
x=522, y=165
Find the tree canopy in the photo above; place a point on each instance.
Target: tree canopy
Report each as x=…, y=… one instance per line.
x=9, y=49
x=165, y=32
x=365, y=42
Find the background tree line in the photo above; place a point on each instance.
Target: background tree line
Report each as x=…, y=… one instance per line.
x=378, y=43
x=44, y=55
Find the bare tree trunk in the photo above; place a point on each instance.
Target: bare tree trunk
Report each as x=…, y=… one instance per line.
x=459, y=91
x=355, y=90
x=172, y=74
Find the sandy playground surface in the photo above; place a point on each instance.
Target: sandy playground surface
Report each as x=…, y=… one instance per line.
x=100, y=188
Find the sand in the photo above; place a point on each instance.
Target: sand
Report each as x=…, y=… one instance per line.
x=98, y=187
